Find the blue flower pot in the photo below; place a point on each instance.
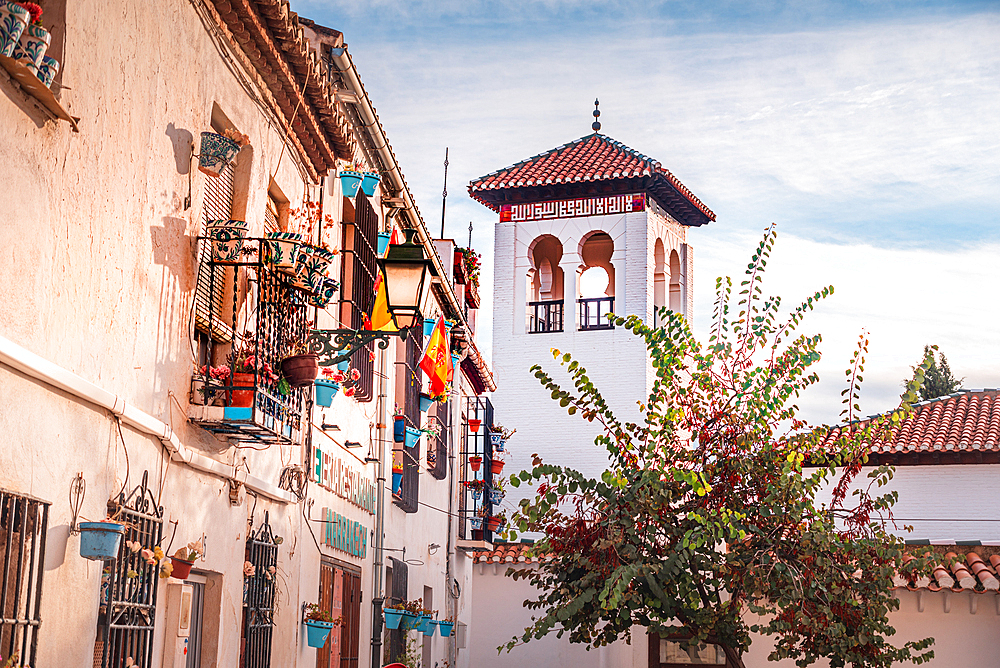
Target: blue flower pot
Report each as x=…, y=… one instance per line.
x=350, y=181
x=326, y=390
x=317, y=631
x=344, y=366
x=456, y=360
x=13, y=20
x=446, y=628
x=422, y=623
x=383, y=242
x=425, y=403
x=281, y=250
x=496, y=496
x=216, y=152
x=495, y=438
x=393, y=617
x=399, y=430
x=475, y=523
x=499, y=445
x=368, y=183
x=429, y=326
x=397, y=482
x=430, y=626
x=476, y=494
x=100, y=541
x=412, y=437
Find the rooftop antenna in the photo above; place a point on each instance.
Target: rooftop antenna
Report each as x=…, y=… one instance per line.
x=444, y=193
x=597, y=114
x=470, y=234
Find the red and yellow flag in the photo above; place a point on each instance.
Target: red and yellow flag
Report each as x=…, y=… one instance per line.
x=381, y=319
x=436, y=361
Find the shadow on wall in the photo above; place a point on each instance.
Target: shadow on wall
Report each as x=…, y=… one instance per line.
x=183, y=144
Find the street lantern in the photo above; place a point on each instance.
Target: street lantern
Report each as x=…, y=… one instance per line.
x=404, y=273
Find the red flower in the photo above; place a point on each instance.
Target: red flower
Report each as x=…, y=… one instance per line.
x=349, y=392
x=33, y=9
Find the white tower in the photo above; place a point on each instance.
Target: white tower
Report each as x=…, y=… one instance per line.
x=585, y=229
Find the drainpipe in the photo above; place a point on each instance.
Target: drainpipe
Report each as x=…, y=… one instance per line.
x=377, y=594
x=51, y=374
x=451, y=609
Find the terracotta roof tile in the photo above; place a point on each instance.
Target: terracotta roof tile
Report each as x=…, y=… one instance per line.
x=972, y=572
x=964, y=427
x=593, y=158
x=508, y=553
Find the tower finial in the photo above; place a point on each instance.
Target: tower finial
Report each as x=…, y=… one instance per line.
x=597, y=113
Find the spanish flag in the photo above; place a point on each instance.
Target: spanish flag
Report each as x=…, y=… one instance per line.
x=381, y=319
x=436, y=361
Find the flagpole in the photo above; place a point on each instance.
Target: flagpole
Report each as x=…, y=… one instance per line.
x=444, y=193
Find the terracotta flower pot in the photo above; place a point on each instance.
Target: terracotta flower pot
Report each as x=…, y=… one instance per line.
x=496, y=466
x=242, y=398
x=182, y=568
x=493, y=523
x=474, y=425
x=475, y=463
x=300, y=370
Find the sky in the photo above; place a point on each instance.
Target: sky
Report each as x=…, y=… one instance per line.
x=868, y=132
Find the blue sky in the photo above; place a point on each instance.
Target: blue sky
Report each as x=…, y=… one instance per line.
x=868, y=131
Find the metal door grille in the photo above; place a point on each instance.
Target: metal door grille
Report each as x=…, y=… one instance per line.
x=258, y=598
x=359, y=272
x=128, y=599
x=350, y=631
x=408, y=372
x=23, y=524
x=210, y=290
x=397, y=595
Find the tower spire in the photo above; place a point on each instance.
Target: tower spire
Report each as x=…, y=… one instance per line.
x=597, y=114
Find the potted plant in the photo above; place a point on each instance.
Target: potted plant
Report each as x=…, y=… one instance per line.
x=474, y=424
x=184, y=558
x=475, y=487
x=446, y=626
x=207, y=385
x=425, y=402
x=397, y=478
x=100, y=541
x=318, y=623
x=227, y=239
x=476, y=524
x=475, y=461
x=327, y=386
x=412, y=437
x=350, y=178
x=33, y=41
x=299, y=366
x=246, y=366
x=326, y=293
x=499, y=435
x=496, y=466
x=14, y=18
x=429, y=325
x=218, y=150
x=398, y=425
x=497, y=492
x=494, y=522
x=368, y=182
x=383, y=243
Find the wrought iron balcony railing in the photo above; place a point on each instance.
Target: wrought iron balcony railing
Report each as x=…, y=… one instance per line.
x=546, y=316
x=594, y=312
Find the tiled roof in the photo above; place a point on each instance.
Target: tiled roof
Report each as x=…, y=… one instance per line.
x=571, y=170
x=961, y=428
x=972, y=572
x=508, y=553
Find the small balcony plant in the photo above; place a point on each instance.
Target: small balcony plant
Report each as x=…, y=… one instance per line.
x=218, y=150
x=246, y=365
x=183, y=559
x=299, y=366
x=319, y=623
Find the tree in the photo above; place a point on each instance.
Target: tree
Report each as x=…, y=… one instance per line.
x=938, y=381
x=707, y=513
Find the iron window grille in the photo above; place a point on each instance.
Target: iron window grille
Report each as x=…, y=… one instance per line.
x=210, y=287
x=359, y=272
x=437, y=448
x=396, y=578
x=594, y=312
x=477, y=443
x=259, y=597
x=546, y=316
x=23, y=524
x=127, y=613
x=408, y=386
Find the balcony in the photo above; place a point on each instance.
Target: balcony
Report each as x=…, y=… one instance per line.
x=545, y=316
x=473, y=505
x=251, y=407
x=594, y=312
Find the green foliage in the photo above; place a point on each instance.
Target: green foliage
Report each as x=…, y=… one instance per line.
x=706, y=513
x=938, y=380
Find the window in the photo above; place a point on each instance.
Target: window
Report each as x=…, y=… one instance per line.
x=408, y=387
x=659, y=282
x=664, y=653
x=359, y=271
x=340, y=595
x=127, y=615
x=545, y=286
x=23, y=523
x=396, y=588
x=437, y=449
x=258, y=597
x=597, y=282
x=210, y=291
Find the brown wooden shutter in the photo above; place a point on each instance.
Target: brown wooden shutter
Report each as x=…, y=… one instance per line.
x=210, y=291
x=271, y=216
x=359, y=272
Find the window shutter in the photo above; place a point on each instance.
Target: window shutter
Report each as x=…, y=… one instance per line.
x=210, y=291
x=271, y=216
x=397, y=595
x=359, y=273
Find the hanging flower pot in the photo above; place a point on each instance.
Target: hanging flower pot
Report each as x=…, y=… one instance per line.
x=499, y=444
x=215, y=153
x=393, y=617
x=425, y=403
x=48, y=70
x=497, y=466
x=496, y=438
x=476, y=493
x=318, y=267
x=349, y=182
x=496, y=496
x=300, y=370
x=243, y=398
x=368, y=182
x=476, y=523
x=447, y=626
x=300, y=279
x=493, y=523
x=474, y=425
x=13, y=20
x=397, y=480
x=281, y=250
x=430, y=626
x=412, y=437
x=227, y=239
x=326, y=390
x=182, y=568
x=317, y=632
x=429, y=324
x=423, y=623
x=383, y=242
x=99, y=541
x=326, y=295
x=475, y=461
x=399, y=429
x=31, y=47
x=344, y=365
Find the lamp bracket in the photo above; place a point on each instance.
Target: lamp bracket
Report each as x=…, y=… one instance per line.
x=338, y=345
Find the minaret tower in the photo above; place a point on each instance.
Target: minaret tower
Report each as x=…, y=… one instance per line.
x=588, y=228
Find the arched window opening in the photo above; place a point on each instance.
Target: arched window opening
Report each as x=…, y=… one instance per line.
x=659, y=282
x=675, y=283
x=545, y=282
x=596, y=298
